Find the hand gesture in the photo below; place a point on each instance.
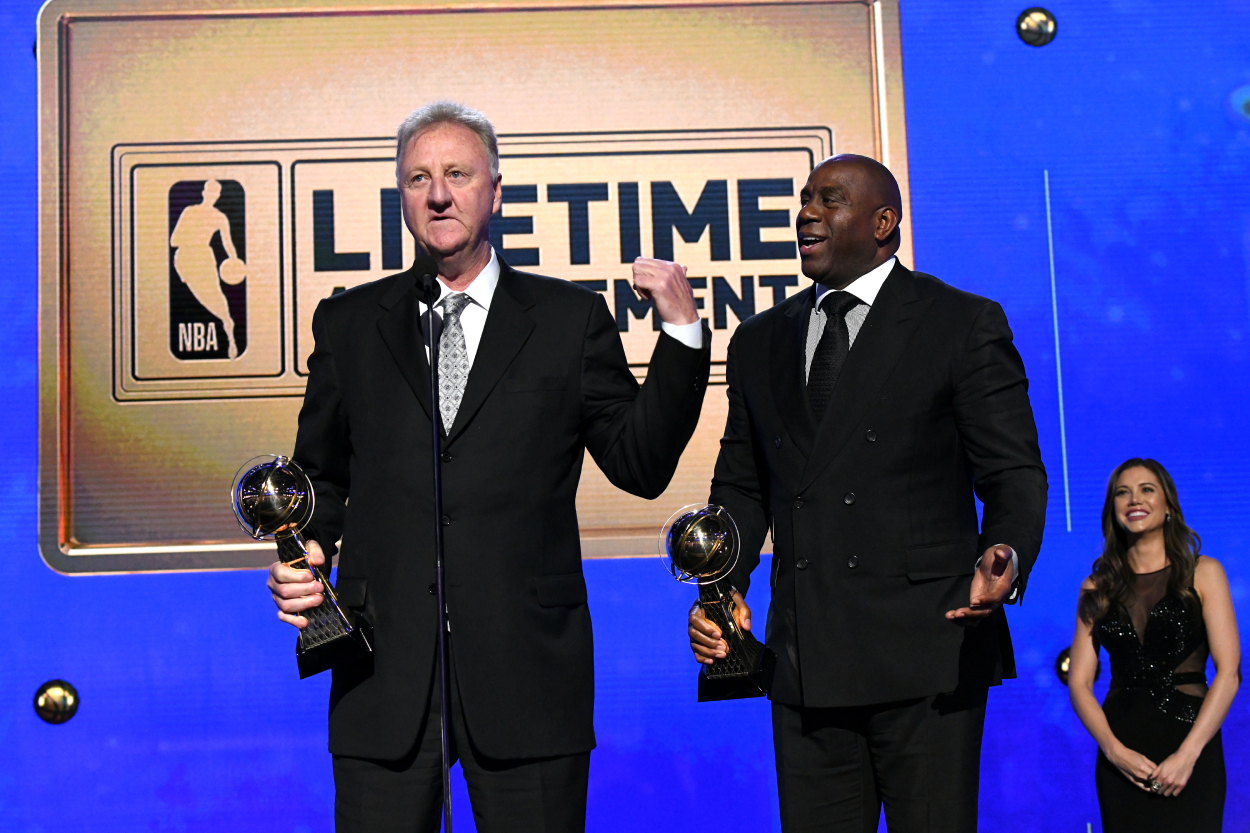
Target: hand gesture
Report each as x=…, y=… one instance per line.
x=665, y=284
x=296, y=590
x=991, y=584
x=1172, y=775
x=705, y=638
x=1135, y=766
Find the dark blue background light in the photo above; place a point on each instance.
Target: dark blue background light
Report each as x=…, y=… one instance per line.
x=192, y=718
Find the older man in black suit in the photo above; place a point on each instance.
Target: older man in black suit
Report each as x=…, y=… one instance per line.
x=533, y=373
x=864, y=414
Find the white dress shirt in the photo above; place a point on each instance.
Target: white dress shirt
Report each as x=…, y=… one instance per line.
x=865, y=288
x=482, y=290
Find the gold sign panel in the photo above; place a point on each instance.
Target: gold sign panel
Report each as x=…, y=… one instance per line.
x=211, y=171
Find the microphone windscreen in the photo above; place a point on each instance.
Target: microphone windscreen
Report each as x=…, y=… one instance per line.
x=425, y=265
x=426, y=270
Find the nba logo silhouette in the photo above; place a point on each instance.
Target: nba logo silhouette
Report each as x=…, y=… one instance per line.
x=199, y=312
x=207, y=270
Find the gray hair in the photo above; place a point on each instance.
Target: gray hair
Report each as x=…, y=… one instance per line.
x=448, y=112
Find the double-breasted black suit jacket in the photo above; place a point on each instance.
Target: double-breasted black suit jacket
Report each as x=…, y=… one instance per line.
x=549, y=381
x=872, y=512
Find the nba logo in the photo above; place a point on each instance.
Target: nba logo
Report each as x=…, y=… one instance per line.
x=207, y=270
x=200, y=312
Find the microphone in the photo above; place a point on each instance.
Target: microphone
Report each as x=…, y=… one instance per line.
x=426, y=270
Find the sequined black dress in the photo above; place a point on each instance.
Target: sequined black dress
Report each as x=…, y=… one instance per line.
x=1158, y=679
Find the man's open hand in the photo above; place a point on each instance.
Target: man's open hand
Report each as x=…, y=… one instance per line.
x=705, y=638
x=665, y=284
x=991, y=584
x=295, y=591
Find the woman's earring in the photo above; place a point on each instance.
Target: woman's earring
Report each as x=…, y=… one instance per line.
x=1167, y=517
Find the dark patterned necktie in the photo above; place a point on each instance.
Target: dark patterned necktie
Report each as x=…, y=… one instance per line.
x=830, y=354
x=453, y=359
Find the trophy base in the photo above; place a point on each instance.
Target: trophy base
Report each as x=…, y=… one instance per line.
x=738, y=687
x=747, y=670
x=346, y=648
x=335, y=634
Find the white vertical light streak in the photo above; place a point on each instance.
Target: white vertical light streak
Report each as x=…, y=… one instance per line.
x=884, y=126
x=1054, y=308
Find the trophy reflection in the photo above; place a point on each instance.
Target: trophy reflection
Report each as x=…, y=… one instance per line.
x=701, y=544
x=273, y=497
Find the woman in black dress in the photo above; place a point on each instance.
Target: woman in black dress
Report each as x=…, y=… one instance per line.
x=1159, y=608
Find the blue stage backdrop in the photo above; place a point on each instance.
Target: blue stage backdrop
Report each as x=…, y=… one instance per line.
x=192, y=718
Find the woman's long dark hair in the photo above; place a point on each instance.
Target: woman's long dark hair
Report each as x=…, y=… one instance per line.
x=1112, y=575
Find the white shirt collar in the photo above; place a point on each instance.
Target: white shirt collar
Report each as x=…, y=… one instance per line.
x=865, y=287
x=483, y=287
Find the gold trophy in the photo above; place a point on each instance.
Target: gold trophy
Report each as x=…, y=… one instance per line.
x=700, y=543
x=273, y=497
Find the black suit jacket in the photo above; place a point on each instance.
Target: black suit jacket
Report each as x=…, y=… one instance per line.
x=872, y=512
x=549, y=381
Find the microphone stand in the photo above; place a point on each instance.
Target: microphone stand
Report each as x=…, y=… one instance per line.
x=427, y=275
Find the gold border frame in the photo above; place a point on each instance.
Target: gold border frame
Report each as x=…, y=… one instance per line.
x=55, y=21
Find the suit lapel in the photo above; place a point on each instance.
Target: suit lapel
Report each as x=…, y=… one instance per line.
x=877, y=349
x=401, y=332
x=507, y=329
x=789, y=386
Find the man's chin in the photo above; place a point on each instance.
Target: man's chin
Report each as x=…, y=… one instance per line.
x=812, y=269
x=443, y=249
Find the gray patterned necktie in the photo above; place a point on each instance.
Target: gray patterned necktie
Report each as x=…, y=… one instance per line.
x=453, y=359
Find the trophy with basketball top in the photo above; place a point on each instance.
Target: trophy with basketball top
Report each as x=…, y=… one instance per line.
x=700, y=543
x=273, y=498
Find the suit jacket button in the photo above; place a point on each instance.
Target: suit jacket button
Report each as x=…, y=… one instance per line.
x=798, y=503
x=447, y=520
x=801, y=564
x=777, y=442
x=445, y=457
x=848, y=498
x=433, y=590
x=852, y=562
x=871, y=436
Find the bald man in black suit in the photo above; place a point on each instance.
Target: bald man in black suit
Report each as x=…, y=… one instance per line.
x=864, y=415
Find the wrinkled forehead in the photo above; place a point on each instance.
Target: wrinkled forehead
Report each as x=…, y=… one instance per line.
x=445, y=142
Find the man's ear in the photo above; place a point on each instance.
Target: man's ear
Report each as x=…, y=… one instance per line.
x=498, y=194
x=887, y=223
